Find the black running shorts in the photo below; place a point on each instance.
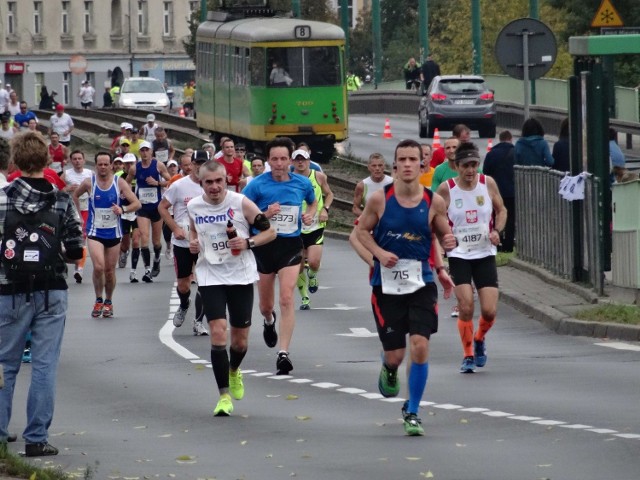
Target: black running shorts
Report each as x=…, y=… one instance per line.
x=282, y=252
x=238, y=298
x=483, y=271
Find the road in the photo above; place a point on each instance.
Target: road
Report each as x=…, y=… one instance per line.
x=135, y=397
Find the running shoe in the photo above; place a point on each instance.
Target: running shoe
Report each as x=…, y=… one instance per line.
x=224, y=406
x=388, y=382
x=133, y=278
x=146, y=278
x=107, y=309
x=168, y=253
x=78, y=276
x=236, y=386
x=455, y=312
x=155, y=271
x=26, y=355
x=122, y=260
x=413, y=425
x=283, y=364
x=199, y=329
x=480, y=352
x=269, y=333
x=97, y=308
x=468, y=365
x=305, y=304
x=313, y=282
x=180, y=315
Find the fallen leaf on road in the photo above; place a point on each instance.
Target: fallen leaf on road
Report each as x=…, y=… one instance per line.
x=413, y=459
x=140, y=427
x=426, y=474
x=292, y=397
x=302, y=417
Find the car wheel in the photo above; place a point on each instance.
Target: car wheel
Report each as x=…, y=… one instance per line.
x=422, y=130
x=430, y=129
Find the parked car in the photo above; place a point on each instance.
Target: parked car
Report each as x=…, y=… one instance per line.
x=454, y=99
x=143, y=92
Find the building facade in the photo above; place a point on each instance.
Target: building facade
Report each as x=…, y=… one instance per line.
x=60, y=43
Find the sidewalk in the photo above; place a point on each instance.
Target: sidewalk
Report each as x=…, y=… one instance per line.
x=552, y=301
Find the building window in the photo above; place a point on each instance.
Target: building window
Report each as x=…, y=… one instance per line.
x=66, y=77
x=193, y=6
x=38, y=82
x=88, y=17
x=65, y=17
x=142, y=19
x=167, y=19
x=37, y=18
x=12, y=26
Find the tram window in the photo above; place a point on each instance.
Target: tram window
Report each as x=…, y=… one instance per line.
x=303, y=66
x=324, y=66
x=257, y=67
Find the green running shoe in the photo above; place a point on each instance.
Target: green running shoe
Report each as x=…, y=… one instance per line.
x=224, y=406
x=305, y=304
x=313, y=282
x=413, y=425
x=388, y=382
x=236, y=387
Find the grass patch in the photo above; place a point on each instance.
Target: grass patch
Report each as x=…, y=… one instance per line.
x=13, y=465
x=611, y=313
x=502, y=258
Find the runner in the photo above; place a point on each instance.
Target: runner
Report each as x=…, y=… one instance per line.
x=177, y=197
x=130, y=231
x=280, y=195
x=237, y=172
x=150, y=176
x=403, y=217
x=104, y=232
x=226, y=272
x=312, y=235
x=58, y=153
x=477, y=215
x=376, y=180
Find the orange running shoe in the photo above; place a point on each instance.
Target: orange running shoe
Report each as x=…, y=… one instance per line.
x=97, y=308
x=107, y=310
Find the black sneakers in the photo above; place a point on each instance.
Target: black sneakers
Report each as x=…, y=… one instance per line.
x=39, y=450
x=269, y=333
x=283, y=364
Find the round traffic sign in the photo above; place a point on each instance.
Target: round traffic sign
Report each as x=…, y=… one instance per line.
x=77, y=64
x=542, y=49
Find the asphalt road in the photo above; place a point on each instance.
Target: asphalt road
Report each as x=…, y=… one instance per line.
x=135, y=397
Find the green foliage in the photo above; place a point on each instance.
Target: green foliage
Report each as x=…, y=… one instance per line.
x=611, y=313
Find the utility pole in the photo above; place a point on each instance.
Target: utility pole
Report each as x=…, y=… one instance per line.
x=534, y=12
x=476, y=37
x=203, y=11
x=295, y=8
x=423, y=25
x=344, y=16
x=377, y=42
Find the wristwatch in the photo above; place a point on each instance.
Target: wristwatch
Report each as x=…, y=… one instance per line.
x=251, y=243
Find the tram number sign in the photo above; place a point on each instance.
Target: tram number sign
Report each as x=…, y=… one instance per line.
x=302, y=32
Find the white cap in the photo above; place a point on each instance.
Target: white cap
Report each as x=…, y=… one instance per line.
x=172, y=162
x=126, y=125
x=118, y=159
x=129, y=158
x=299, y=152
x=144, y=144
x=151, y=117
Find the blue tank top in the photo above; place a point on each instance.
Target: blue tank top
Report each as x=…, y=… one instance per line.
x=102, y=222
x=149, y=195
x=405, y=232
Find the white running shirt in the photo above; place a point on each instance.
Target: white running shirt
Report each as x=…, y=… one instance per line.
x=75, y=178
x=179, y=194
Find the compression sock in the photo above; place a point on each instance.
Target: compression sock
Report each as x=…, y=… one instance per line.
x=156, y=253
x=220, y=365
x=417, y=384
x=146, y=257
x=235, y=358
x=483, y=327
x=466, y=335
x=184, y=298
x=301, y=283
x=135, y=256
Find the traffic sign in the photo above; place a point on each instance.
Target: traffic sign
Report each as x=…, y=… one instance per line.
x=77, y=64
x=607, y=16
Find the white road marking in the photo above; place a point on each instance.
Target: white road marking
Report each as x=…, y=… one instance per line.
x=359, y=333
x=620, y=346
x=325, y=385
x=338, y=306
x=351, y=390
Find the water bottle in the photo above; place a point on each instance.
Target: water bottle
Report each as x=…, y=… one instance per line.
x=232, y=233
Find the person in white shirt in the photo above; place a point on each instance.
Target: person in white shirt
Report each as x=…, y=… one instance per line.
x=4, y=98
x=14, y=105
x=63, y=124
x=149, y=128
x=86, y=94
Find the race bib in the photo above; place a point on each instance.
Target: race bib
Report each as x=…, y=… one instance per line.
x=405, y=277
x=286, y=221
x=56, y=167
x=130, y=216
x=162, y=155
x=314, y=224
x=83, y=201
x=105, y=218
x=472, y=238
x=216, y=248
x=148, y=194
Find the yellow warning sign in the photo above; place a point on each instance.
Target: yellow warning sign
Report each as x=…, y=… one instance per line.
x=607, y=16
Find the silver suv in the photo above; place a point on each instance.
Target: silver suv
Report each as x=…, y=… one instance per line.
x=454, y=99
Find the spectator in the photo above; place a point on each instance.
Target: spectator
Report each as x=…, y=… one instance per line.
x=615, y=153
x=353, y=82
x=531, y=148
x=429, y=70
x=412, y=74
x=561, y=160
x=107, y=99
x=46, y=100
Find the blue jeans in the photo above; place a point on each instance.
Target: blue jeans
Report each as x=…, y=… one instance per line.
x=47, y=327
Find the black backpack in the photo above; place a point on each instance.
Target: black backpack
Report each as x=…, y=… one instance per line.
x=31, y=246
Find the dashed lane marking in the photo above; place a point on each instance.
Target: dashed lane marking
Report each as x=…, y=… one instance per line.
x=620, y=346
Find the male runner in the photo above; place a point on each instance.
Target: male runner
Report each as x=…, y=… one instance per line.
x=376, y=180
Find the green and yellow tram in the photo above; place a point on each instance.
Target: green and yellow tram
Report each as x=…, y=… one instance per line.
x=261, y=78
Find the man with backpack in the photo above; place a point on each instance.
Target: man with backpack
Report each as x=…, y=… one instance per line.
x=36, y=221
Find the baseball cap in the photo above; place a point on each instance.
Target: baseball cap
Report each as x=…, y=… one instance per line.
x=117, y=159
x=59, y=107
x=151, y=117
x=134, y=130
x=129, y=158
x=126, y=125
x=172, y=162
x=144, y=144
x=304, y=154
x=200, y=156
x=6, y=116
x=125, y=141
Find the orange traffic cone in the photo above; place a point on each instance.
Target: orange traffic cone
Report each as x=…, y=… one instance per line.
x=387, y=129
x=436, y=140
x=181, y=113
x=489, y=145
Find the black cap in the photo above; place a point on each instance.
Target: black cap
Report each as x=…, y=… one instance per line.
x=200, y=156
x=6, y=116
x=134, y=130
